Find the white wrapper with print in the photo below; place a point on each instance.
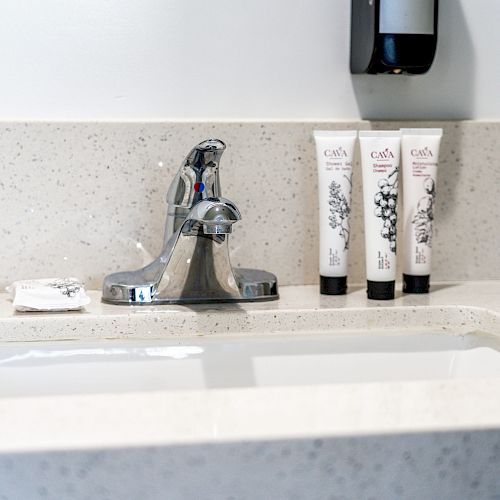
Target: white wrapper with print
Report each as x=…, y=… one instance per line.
x=380, y=155
x=420, y=152
x=334, y=152
x=49, y=294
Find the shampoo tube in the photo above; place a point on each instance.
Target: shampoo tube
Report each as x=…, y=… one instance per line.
x=420, y=152
x=380, y=154
x=334, y=152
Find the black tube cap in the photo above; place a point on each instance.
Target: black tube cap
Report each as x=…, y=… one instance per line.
x=380, y=290
x=336, y=285
x=415, y=284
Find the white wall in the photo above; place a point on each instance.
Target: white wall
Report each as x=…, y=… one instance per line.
x=227, y=59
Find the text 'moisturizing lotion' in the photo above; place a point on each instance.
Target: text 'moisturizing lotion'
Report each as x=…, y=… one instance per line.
x=420, y=152
x=334, y=152
x=380, y=155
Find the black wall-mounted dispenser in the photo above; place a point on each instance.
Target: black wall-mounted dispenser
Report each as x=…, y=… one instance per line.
x=393, y=36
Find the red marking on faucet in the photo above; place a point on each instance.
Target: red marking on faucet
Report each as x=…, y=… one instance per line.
x=199, y=187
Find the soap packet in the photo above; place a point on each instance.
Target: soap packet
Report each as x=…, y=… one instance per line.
x=49, y=294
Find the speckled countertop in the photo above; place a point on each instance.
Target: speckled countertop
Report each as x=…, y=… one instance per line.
x=213, y=415
x=466, y=305
x=469, y=305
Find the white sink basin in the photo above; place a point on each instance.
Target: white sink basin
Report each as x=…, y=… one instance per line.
x=309, y=394
x=117, y=366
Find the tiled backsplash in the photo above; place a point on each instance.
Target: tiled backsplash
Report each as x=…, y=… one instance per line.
x=86, y=199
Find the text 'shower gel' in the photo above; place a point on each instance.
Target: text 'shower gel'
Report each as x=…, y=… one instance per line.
x=334, y=153
x=50, y=294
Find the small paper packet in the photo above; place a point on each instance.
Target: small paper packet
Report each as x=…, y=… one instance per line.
x=50, y=294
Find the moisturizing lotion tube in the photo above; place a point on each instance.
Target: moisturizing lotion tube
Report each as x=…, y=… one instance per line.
x=420, y=152
x=380, y=154
x=334, y=151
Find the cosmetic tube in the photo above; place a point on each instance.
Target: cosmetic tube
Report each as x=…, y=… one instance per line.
x=380, y=154
x=420, y=152
x=334, y=152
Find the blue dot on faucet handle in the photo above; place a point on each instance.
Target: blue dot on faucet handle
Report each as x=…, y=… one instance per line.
x=199, y=187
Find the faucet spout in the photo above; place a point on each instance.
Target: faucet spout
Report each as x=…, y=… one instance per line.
x=214, y=215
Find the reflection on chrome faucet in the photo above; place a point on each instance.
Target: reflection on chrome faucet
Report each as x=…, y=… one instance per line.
x=194, y=264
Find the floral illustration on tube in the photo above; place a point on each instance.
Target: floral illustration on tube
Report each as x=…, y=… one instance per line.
x=340, y=210
x=423, y=219
x=386, y=200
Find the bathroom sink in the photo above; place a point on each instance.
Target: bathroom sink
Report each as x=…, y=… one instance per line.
x=119, y=366
x=256, y=390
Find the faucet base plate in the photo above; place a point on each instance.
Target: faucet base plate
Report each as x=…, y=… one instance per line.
x=254, y=285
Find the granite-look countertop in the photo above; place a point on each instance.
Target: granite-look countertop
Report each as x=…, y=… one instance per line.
x=465, y=305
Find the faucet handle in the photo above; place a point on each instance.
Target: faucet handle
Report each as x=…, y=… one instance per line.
x=198, y=176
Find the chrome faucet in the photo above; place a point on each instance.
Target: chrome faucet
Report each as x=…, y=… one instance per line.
x=194, y=264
